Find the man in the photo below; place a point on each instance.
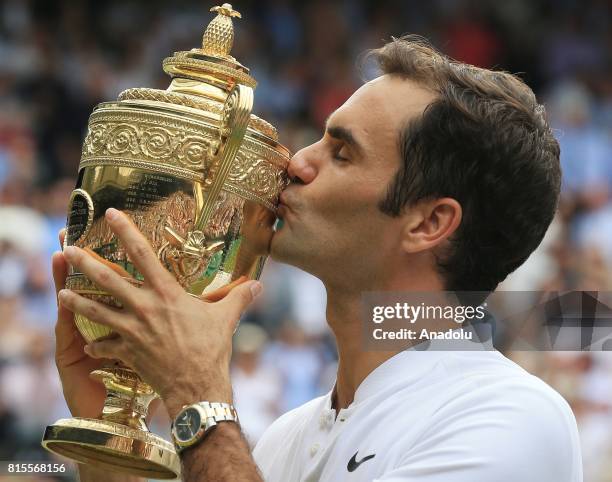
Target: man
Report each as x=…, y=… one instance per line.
x=434, y=176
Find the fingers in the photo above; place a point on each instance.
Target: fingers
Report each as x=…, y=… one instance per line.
x=139, y=250
x=112, y=348
x=240, y=298
x=94, y=310
x=115, y=267
x=103, y=276
x=60, y=271
x=62, y=236
x=220, y=293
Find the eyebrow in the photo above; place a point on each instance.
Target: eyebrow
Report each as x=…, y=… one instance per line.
x=344, y=134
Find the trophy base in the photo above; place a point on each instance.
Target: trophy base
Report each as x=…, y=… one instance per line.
x=111, y=446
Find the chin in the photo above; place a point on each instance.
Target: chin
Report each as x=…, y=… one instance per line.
x=285, y=249
x=280, y=247
x=300, y=251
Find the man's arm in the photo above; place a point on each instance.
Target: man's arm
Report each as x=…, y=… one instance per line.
x=223, y=456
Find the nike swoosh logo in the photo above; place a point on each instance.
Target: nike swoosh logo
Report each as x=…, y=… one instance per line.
x=353, y=464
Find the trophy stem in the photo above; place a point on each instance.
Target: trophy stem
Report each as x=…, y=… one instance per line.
x=127, y=396
x=119, y=440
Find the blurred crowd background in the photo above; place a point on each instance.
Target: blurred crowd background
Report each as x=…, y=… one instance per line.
x=60, y=58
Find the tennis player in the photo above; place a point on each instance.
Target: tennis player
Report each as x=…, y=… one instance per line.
x=434, y=176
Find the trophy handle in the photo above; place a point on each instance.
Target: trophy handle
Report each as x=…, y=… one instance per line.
x=235, y=119
x=185, y=254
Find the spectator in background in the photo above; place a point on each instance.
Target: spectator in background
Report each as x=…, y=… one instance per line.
x=257, y=386
x=31, y=389
x=300, y=363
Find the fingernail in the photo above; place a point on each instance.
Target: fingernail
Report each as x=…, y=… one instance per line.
x=256, y=289
x=70, y=251
x=86, y=349
x=112, y=214
x=62, y=294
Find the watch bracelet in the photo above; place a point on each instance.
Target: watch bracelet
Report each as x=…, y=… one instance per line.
x=219, y=411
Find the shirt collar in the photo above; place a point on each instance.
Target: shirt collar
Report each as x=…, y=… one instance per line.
x=406, y=365
x=402, y=368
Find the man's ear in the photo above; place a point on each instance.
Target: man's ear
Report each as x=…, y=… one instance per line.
x=429, y=223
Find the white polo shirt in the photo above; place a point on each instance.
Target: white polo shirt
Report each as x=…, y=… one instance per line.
x=430, y=416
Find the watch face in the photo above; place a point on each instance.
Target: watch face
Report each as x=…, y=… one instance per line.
x=187, y=424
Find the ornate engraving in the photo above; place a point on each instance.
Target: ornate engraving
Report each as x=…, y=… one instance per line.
x=260, y=125
x=256, y=123
x=117, y=429
x=263, y=180
x=158, y=143
x=278, y=157
x=225, y=209
x=171, y=98
x=153, y=143
x=175, y=146
x=120, y=139
x=124, y=404
x=193, y=149
x=180, y=64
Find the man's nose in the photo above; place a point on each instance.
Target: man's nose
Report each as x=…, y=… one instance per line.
x=301, y=167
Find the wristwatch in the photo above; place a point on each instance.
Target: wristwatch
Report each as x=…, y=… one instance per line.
x=195, y=421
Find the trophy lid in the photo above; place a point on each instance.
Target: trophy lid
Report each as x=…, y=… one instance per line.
x=212, y=63
x=203, y=77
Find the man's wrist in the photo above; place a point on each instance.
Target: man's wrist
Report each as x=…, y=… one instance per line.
x=183, y=395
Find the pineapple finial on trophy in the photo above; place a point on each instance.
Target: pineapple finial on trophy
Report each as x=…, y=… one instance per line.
x=219, y=35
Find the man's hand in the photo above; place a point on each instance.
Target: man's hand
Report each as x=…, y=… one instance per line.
x=177, y=343
x=84, y=396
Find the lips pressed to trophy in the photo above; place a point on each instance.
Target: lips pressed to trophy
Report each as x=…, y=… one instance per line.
x=200, y=176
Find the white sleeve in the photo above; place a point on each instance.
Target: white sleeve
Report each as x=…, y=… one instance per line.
x=529, y=436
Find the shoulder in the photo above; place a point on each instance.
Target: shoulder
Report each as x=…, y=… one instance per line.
x=510, y=420
x=495, y=384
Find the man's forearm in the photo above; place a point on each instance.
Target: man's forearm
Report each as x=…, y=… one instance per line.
x=88, y=473
x=223, y=456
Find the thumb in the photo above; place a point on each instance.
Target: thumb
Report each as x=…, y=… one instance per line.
x=240, y=297
x=62, y=237
x=111, y=348
x=65, y=317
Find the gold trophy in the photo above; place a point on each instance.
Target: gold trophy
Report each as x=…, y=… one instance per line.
x=200, y=176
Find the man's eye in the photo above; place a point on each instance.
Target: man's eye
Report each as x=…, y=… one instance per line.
x=340, y=154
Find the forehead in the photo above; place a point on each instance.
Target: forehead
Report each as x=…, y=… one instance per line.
x=377, y=111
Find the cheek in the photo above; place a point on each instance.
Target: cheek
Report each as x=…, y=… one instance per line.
x=350, y=220
x=350, y=203
x=343, y=204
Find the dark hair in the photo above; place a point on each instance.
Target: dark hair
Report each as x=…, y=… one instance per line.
x=485, y=142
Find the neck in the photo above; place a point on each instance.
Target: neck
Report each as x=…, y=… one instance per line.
x=354, y=363
x=344, y=316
